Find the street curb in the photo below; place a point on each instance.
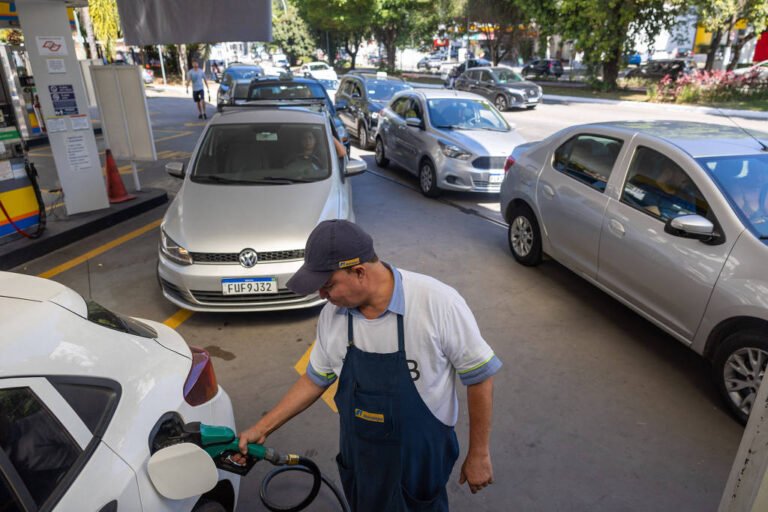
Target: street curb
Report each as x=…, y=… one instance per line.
x=747, y=114
x=60, y=233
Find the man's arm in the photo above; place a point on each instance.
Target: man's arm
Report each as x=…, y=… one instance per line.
x=477, y=469
x=301, y=395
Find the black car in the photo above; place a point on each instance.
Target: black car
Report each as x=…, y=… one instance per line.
x=359, y=99
x=658, y=69
x=461, y=68
x=233, y=87
x=275, y=88
x=501, y=85
x=543, y=67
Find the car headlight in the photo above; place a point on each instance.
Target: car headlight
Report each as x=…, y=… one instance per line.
x=374, y=115
x=454, y=151
x=174, y=251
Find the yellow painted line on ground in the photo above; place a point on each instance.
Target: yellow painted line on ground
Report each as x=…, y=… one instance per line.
x=99, y=250
x=176, y=136
x=178, y=318
x=301, y=369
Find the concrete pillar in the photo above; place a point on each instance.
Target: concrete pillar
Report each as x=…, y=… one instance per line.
x=60, y=88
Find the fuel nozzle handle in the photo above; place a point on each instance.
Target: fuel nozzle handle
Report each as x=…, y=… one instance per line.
x=221, y=443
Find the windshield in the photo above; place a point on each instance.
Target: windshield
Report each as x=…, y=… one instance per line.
x=245, y=73
x=263, y=154
x=385, y=90
x=744, y=181
x=505, y=76
x=465, y=114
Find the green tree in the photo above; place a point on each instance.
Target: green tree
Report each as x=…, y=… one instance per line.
x=349, y=20
x=605, y=29
x=106, y=22
x=500, y=21
x=721, y=17
x=396, y=19
x=291, y=33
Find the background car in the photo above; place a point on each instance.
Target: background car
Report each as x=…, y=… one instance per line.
x=543, y=67
x=505, y=88
x=299, y=89
x=281, y=61
x=451, y=140
x=319, y=70
x=86, y=395
x=431, y=62
x=658, y=69
x=360, y=98
x=147, y=76
x=670, y=218
x=759, y=68
x=276, y=168
x=450, y=71
x=233, y=87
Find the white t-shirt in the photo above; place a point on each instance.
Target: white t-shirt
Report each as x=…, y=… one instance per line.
x=441, y=339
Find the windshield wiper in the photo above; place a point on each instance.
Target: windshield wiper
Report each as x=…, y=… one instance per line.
x=273, y=180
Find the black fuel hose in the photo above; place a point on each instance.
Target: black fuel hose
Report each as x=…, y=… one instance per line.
x=304, y=465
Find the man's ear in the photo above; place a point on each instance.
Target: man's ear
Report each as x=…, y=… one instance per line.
x=360, y=271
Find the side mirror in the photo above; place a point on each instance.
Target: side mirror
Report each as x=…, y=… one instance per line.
x=341, y=105
x=414, y=122
x=691, y=226
x=175, y=169
x=182, y=471
x=355, y=167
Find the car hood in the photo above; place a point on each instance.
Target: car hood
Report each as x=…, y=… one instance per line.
x=524, y=85
x=230, y=218
x=484, y=142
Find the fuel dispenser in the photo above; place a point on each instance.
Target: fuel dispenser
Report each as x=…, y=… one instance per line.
x=22, y=210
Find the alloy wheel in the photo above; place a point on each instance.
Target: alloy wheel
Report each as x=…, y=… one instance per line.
x=362, y=136
x=500, y=103
x=521, y=236
x=743, y=371
x=425, y=178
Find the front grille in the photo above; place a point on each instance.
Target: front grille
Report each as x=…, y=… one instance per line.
x=172, y=289
x=284, y=294
x=532, y=93
x=232, y=258
x=489, y=162
x=485, y=184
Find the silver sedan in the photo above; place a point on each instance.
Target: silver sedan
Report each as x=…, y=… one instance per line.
x=451, y=140
x=670, y=218
x=260, y=179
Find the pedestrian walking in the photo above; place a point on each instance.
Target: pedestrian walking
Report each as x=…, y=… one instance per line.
x=196, y=77
x=395, y=340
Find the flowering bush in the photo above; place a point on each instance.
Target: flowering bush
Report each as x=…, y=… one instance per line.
x=710, y=87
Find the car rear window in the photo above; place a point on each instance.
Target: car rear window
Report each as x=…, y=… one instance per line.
x=588, y=159
x=98, y=314
x=293, y=91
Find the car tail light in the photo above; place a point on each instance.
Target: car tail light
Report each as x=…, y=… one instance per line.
x=201, y=383
x=509, y=163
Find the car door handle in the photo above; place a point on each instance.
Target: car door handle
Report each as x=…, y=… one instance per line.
x=548, y=191
x=617, y=227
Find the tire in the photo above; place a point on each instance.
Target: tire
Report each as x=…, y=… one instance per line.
x=524, y=236
x=739, y=366
x=209, y=506
x=381, y=159
x=362, y=136
x=428, y=179
x=530, y=107
x=500, y=103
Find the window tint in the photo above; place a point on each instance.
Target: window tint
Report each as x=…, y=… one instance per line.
x=588, y=159
x=37, y=445
x=414, y=109
x=98, y=314
x=400, y=106
x=658, y=186
x=8, y=501
x=485, y=76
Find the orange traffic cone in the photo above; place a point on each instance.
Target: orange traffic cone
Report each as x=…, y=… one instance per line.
x=115, y=188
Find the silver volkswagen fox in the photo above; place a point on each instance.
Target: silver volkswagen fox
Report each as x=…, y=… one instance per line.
x=670, y=218
x=260, y=179
x=450, y=139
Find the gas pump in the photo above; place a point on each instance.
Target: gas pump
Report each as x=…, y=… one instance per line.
x=22, y=209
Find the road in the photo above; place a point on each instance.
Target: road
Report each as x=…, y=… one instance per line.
x=595, y=408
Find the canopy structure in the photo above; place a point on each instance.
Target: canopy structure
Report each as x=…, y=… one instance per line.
x=150, y=22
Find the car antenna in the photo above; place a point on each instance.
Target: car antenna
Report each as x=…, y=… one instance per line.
x=762, y=144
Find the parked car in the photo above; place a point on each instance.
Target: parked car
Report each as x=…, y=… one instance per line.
x=543, y=67
x=759, y=68
x=670, y=218
x=281, y=61
x=273, y=166
x=233, y=87
x=270, y=88
x=451, y=140
x=450, y=71
x=505, y=88
x=86, y=394
x=658, y=69
x=431, y=62
x=319, y=70
x=360, y=98
x=147, y=76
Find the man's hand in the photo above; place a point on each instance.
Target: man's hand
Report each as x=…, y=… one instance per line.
x=255, y=434
x=477, y=471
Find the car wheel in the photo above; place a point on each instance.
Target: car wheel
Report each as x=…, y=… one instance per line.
x=501, y=103
x=739, y=366
x=381, y=159
x=524, y=236
x=428, y=179
x=530, y=107
x=362, y=136
x=209, y=506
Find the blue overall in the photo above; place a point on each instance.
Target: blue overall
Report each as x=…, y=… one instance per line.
x=395, y=455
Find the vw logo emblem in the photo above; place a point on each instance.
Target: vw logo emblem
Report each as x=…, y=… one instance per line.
x=248, y=258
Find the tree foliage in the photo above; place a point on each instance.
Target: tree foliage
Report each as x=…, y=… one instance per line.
x=348, y=20
x=395, y=20
x=502, y=21
x=291, y=33
x=721, y=17
x=106, y=22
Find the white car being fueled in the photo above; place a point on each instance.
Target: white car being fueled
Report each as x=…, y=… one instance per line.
x=86, y=397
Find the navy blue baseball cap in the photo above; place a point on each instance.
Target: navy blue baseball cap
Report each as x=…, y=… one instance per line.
x=332, y=245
